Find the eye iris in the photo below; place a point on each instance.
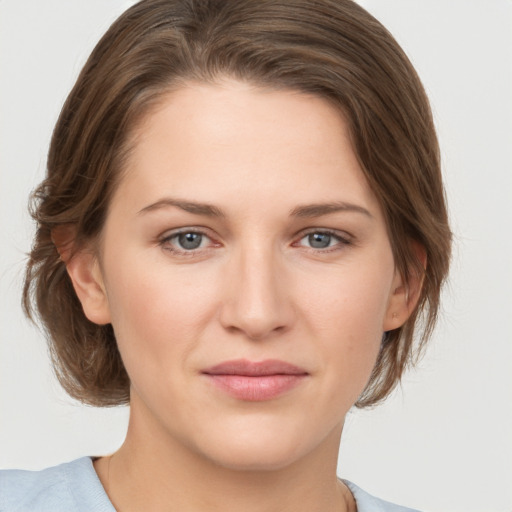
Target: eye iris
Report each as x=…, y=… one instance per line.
x=190, y=240
x=319, y=240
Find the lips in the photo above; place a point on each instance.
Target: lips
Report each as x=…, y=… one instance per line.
x=255, y=381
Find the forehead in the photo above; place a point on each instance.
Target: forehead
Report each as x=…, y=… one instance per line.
x=233, y=137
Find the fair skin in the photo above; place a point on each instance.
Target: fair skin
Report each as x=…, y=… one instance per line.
x=243, y=229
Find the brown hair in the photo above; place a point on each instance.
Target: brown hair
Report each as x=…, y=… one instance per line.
x=331, y=48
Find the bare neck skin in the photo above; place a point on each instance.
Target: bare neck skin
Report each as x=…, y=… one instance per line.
x=146, y=474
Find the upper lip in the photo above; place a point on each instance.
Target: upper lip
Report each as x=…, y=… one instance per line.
x=255, y=368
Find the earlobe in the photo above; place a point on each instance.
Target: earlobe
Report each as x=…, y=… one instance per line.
x=405, y=295
x=85, y=274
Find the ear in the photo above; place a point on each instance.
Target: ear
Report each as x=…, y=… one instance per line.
x=63, y=237
x=85, y=273
x=405, y=293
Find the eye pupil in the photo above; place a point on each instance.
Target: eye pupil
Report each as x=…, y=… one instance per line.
x=319, y=240
x=190, y=240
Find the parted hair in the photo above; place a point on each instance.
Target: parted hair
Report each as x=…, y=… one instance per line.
x=330, y=48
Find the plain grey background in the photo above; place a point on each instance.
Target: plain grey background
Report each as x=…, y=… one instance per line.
x=443, y=442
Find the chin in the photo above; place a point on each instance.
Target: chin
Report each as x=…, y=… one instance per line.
x=258, y=449
x=249, y=459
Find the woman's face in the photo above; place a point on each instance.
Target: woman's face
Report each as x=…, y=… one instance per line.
x=248, y=275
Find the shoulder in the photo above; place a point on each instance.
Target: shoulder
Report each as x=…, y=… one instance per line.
x=368, y=503
x=69, y=487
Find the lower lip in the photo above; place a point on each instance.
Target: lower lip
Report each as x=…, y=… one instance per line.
x=256, y=388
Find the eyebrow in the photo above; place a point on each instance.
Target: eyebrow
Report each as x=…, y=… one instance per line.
x=209, y=210
x=189, y=206
x=317, y=210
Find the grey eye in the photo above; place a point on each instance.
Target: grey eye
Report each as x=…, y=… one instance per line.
x=189, y=241
x=319, y=240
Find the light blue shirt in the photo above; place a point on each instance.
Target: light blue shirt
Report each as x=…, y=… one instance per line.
x=75, y=487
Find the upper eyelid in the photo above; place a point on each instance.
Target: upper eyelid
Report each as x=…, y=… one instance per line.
x=167, y=237
x=344, y=235
x=169, y=233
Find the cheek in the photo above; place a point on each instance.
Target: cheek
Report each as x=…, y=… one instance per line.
x=345, y=316
x=157, y=314
x=352, y=302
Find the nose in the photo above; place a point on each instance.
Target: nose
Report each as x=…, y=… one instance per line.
x=256, y=299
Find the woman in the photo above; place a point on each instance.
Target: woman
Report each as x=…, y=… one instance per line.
x=243, y=220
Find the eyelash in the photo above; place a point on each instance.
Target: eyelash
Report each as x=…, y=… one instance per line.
x=342, y=240
x=167, y=244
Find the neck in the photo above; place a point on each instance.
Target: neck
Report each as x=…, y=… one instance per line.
x=148, y=474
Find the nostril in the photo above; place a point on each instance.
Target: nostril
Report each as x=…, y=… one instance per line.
x=255, y=300
x=255, y=329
